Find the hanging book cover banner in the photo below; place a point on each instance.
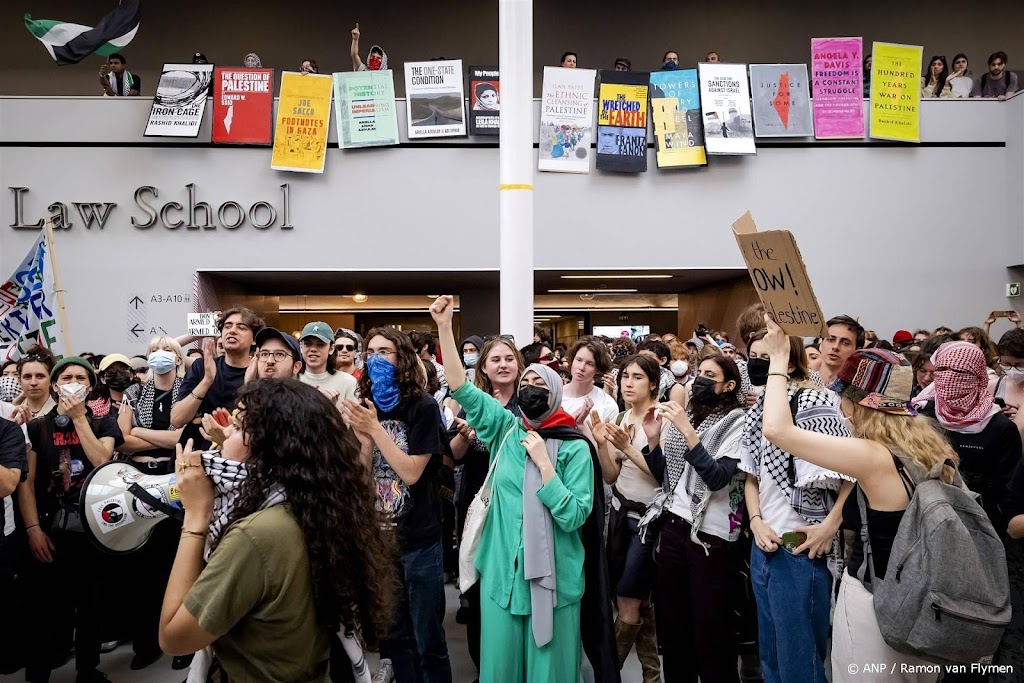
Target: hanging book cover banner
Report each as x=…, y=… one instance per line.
x=782, y=100
x=484, y=100
x=622, y=121
x=725, y=105
x=436, y=99
x=243, y=105
x=896, y=92
x=837, y=87
x=180, y=101
x=675, y=112
x=566, y=120
x=364, y=109
x=303, y=114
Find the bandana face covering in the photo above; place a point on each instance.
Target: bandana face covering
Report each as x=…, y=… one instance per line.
x=382, y=378
x=374, y=63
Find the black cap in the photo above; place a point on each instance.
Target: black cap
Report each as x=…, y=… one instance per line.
x=270, y=333
x=199, y=58
x=624, y=62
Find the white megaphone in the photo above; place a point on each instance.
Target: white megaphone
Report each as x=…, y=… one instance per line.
x=121, y=506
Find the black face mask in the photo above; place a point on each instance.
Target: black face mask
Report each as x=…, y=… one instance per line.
x=118, y=381
x=704, y=390
x=533, y=401
x=757, y=369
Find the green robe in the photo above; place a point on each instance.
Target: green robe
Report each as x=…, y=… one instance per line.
x=569, y=496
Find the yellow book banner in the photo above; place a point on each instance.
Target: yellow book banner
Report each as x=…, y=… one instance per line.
x=303, y=115
x=896, y=92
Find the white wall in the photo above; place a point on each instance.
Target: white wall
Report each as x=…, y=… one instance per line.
x=901, y=236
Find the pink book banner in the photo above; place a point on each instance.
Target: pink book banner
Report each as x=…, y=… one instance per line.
x=837, y=85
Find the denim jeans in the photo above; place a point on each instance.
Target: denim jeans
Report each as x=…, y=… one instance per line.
x=416, y=643
x=793, y=596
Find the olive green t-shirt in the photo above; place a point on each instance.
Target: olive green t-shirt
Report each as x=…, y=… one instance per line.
x=256, y=597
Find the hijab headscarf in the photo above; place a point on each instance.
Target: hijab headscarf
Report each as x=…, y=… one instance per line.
x=252, y=61
x=554, y=416
x=960, y=390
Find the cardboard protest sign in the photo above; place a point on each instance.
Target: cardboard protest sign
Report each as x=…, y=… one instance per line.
x=203, y=325
x=780, y=278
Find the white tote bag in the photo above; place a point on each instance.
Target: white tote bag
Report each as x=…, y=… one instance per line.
x=474, y=527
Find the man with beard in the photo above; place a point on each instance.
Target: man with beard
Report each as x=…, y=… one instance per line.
x=211, y=382
x=376, y=60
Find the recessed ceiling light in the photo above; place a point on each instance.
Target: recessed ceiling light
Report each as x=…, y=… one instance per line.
x=592, y=291
x=359, y=298
x=616, y=277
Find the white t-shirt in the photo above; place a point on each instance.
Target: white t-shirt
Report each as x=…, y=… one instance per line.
x=342, y=382
x=776, y=510
x=633, y=482
x=717, y=519
x=603, y=404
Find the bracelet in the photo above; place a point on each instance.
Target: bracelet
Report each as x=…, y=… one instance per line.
x=34, y=526
x=195, y=534
x=778, y=374
x=193, y=395
x=753, y=516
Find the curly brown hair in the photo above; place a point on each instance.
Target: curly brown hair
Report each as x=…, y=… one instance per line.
x=297, y=440
x=407, y=363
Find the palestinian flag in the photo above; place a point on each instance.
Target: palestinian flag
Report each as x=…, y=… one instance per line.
x=71, y=43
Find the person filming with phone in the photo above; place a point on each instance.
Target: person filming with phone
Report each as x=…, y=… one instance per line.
x=795, y=509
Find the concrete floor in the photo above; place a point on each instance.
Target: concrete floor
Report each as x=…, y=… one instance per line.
x=115, y=664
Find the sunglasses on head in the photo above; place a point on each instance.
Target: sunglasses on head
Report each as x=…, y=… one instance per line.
x=506, y=337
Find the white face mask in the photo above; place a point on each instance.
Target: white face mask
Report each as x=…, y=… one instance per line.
x=679, y=368
x=1015, y=375
x=73, y=389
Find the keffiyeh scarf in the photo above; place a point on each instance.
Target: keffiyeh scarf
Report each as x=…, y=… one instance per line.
x=227, y=477
x=960, y=390
x=143, y=397
x=809, y=490
x=714, y=432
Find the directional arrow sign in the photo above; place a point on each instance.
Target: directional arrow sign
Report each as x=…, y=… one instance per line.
x=136, y=302
x=136, y=317
x=137, y=331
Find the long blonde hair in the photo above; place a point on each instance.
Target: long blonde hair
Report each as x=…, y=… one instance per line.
x=917, y=438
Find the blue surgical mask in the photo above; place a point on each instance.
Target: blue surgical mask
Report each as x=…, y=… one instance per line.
x=386, y=393
x=470, y=359
x=161, y=362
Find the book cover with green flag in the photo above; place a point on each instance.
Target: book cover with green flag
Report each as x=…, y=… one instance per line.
x=70, y=43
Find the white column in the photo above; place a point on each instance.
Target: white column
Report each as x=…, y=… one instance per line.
x=515, y=61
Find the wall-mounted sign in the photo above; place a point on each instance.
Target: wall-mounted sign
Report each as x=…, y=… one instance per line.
x=193, y=214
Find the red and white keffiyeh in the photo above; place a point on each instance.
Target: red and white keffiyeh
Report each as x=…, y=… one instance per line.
x=960, y=390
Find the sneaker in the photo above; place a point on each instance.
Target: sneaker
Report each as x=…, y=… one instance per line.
x=109, y=646
x=141, y=661
x=385, y=672
x=182, y=662
x=91, y=676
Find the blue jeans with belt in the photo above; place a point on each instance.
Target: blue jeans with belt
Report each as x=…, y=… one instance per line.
x=416, y=644
x=793, y=594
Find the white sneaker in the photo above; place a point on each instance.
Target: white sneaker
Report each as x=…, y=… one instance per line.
x=385, y=672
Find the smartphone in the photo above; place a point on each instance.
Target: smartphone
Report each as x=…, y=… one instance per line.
x=701, y=331
x=1000, y=402
x=791, y=540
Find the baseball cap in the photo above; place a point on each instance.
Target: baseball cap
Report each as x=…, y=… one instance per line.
x=199, y=58
x=320, y=330
x=273, y=333
x=902, y=337
x=624, y=62
x=114, y=358
x=876, y=379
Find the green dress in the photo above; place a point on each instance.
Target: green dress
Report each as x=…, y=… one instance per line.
x=569, y=496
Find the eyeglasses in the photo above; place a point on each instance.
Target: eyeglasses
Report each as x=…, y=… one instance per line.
x=278, y=356
x=387, y=353
x=345, y=347
x=1014, y=366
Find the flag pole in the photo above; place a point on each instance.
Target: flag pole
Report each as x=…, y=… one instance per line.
x=63, y=312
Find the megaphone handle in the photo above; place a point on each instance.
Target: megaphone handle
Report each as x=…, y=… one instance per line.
x=149, y=499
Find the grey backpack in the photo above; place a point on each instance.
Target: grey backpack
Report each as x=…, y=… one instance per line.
x=945, y=597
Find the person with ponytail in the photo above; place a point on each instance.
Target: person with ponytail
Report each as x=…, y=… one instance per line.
x=400, y=431
x=888, y=437
x=281, y=546
x=698, y=515
x=531, y=556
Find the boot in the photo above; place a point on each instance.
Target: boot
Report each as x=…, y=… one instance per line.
x=625, y=635
x=647, y=646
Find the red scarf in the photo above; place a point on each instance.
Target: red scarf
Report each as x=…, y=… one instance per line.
x=962, y=399
x=559, y=418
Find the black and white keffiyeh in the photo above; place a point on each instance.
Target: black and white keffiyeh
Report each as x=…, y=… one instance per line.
x=142, y=398
x=227, y=477
x=716, y=432
x=811, y=490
